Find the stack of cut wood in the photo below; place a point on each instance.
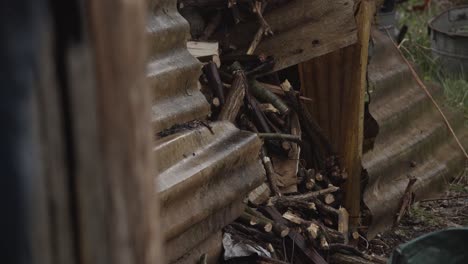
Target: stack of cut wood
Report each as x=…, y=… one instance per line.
x=296, y=215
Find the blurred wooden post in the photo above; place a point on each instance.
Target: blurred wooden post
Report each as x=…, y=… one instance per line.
x=94, y=200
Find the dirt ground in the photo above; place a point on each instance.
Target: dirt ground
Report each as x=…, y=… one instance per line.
x=450, y=210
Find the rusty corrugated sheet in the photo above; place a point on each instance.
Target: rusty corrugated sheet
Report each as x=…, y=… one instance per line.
x=202, y=174
x=410, y=131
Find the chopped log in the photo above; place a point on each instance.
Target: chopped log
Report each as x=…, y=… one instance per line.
x=278, y=229
x=253, y=233
x=252, y=220
x=247, y=124
x=307, y=252
x=235, y=98
x=215, y=102
x=267, y=96
x=276, y=119
x=268, y=108
x=214, y=80
x=278, y=136
x=260, y=195
x=308, y=196
x=259, y=116
x=301, y=205
x=343, y=220
x=405, y=200
x=255, y=41
x=329, y=198
x=326, y=209
x=312, y=129
x=271, y=175
x=277, y=90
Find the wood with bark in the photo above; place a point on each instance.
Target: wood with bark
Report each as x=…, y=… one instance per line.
x=284, y=203
x=235, y=98
x=307, y=252
x=278, y=229
x=315, y=228
x=253, y=233
x=277, y=136
x=279, y=91
x=270, y=173
x=252, y=220
x=259, y=115
x=267, y=96
x=214, y=80
x=307, y=196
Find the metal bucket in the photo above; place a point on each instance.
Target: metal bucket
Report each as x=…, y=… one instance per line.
x=449, y=41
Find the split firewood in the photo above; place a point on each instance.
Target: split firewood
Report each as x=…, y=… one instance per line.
x=276, y=119
x=267, y=96
x=343, y=223
x=270, y=173
x=216, y=102
x=268, y=108
x=405, y=200
x=260, y=195
x=251, y=220
x=323, y=180
x=258, y=114
x=253, y=233
x=329, y=198
x=278, y=229
x=235, y=97
x=246, y=124
x=306, y=251
x=214, y=80
x=312, y=129
x=316, y=230
x=279, y=91
x=277, y=136
x=283, y=202
x=308, y=196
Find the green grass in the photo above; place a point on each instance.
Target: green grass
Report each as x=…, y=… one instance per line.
x=416, y=48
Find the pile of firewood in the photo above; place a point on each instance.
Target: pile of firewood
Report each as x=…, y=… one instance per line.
x=297, y=214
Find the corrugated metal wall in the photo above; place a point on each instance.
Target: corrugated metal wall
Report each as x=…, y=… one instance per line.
x=412, y=140
x=203, y=173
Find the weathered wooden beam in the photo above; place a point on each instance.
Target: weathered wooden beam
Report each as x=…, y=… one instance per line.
x=353, y=121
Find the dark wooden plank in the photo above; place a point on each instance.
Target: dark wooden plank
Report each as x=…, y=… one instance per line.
x=303, y=29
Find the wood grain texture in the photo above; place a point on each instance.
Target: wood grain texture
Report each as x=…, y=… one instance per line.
x=303, y=29
x=337, y=81
x=117, y=204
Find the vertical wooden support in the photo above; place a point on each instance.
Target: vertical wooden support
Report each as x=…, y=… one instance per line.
x=353, y=128
x=336, y=81
x=97, y=194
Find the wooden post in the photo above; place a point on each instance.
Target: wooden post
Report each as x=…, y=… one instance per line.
x=336, y=81
x=353, y=124
x=95, y=196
